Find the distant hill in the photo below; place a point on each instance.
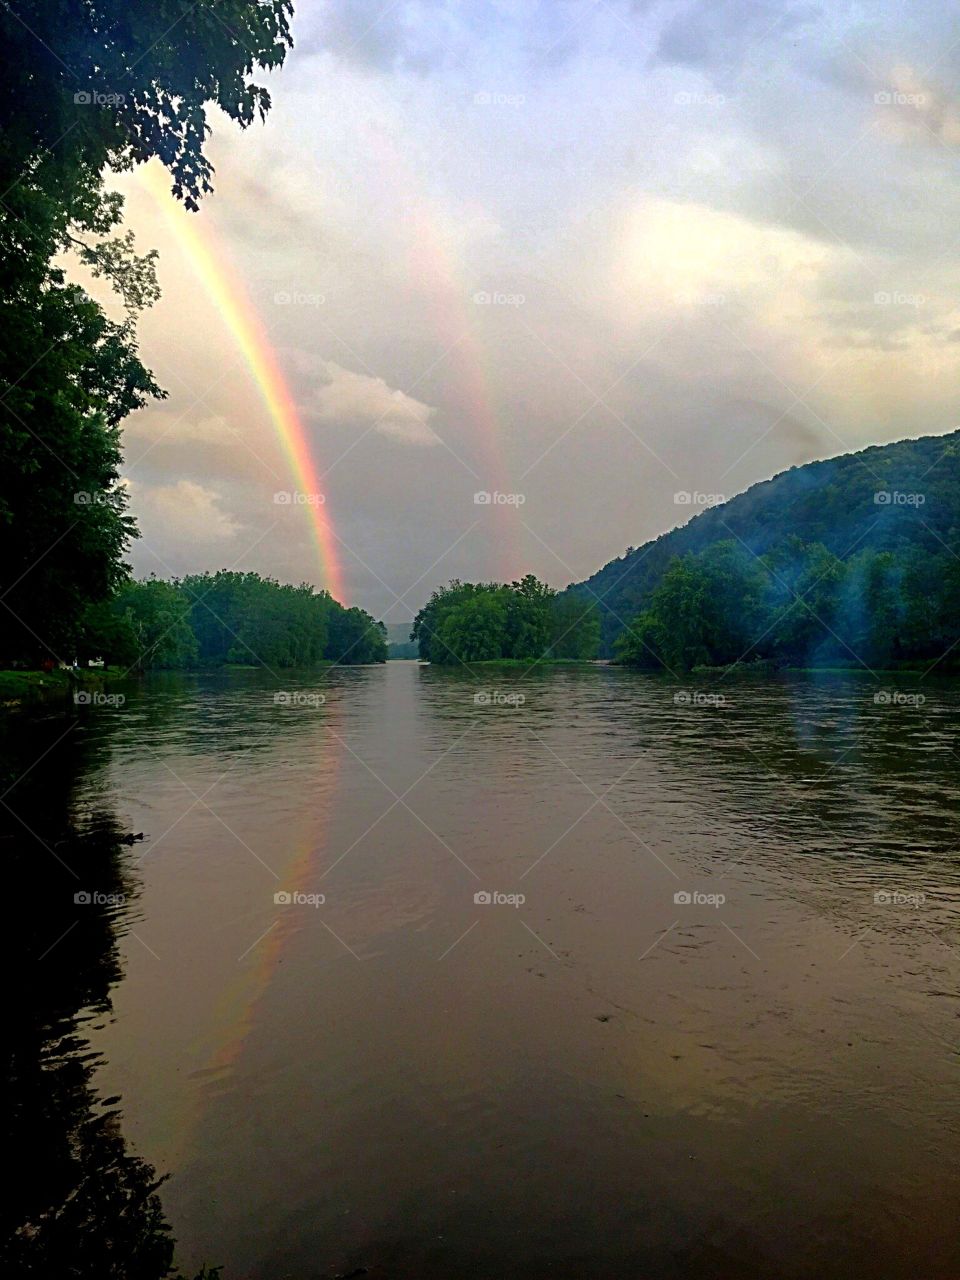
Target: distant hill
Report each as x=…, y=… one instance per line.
x=902, y=498
x=399, y=644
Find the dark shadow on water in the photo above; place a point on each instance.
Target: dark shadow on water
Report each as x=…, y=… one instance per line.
x=78, y=1203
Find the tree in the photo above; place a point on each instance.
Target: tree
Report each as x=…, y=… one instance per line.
x=574, y=628
x=486, y=621
x=427, y=625
x=807, y=604
x=476, y=629
x=90, y=85
x=527, y=627
x=158, y=614
x=638, y=644
x=355, y=638
x=708, y=610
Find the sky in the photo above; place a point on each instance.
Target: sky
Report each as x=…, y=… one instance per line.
x=603, y=261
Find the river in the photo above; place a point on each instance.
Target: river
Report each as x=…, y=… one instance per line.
x=701, y=1021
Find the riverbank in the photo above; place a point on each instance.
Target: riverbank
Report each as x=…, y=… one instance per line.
x=30, y=688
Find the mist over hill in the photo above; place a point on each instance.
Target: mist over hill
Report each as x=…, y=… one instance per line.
x=889, y=512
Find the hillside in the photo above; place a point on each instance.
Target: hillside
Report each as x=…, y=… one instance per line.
x=901, y=498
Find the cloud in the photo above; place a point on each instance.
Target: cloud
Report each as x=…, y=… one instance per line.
x=360, y=400
x=158, y=444
x=181, y=515
x=917, y=109
x=707, y=207
x=718, y=33
x=379, y=36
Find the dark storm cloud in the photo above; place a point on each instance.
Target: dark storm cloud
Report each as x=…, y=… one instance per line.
x=715, y=34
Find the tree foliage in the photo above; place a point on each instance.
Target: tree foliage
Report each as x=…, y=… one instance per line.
x=526, y=620
x=801, y=605
x=212, y=619
x=91, y=86
x=900, y=500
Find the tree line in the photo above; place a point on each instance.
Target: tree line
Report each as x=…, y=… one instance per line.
x=90, y=87
x=468, y=622
x=215, y=619
x=901, y=498
x=800, y=605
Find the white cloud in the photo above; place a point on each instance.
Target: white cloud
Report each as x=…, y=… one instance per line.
x=185, y=514
x=365, y=401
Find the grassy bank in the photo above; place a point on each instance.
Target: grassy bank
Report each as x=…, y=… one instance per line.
x=24, y=688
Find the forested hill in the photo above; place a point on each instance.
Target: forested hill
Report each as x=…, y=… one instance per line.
x=901, y=498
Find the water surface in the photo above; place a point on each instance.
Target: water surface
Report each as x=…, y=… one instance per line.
x=604, y=1080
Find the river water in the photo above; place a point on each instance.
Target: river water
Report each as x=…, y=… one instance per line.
x=706, y=1025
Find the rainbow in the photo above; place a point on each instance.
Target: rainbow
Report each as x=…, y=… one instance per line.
x=432, y=264
x=238, y=314
x=217, y=1050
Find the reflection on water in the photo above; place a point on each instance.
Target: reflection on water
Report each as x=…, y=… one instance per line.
x=77, y=1203
x=709, y=1028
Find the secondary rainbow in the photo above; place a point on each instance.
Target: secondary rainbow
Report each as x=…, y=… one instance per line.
x=239, y=316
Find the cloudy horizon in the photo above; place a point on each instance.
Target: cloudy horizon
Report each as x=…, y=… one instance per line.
x=584, y=256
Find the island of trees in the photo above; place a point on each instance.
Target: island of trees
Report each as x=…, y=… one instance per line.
x=469, y=622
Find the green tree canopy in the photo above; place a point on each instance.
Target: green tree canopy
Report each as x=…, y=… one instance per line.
x=91, y=86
